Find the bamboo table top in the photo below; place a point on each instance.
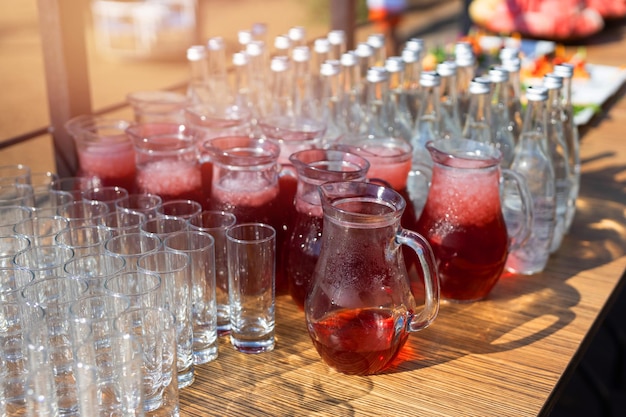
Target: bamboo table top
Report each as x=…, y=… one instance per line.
x=505, y=356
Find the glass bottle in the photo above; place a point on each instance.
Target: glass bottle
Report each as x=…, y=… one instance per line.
x=365, y=58
x=377, y=118
x=377, y=42
x=513, y=66
x=321, y=52
x=198, y=89
x=450, y=126
x=304, y=103
x=570, y=130
x=217, y=74
x=533, y=162
x=557, y=150
x=501, y=123
x=337, y=40
x=466, y=71
x=241, y=83
x=258, y=76
x=412, y=70
x=398, y=107
x=281, y=88
x=351, y=92
x=478, y=120
x=330, y=72
x=429, y=119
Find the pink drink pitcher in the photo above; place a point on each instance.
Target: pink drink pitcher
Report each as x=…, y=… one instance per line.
x=360, y=309
x=463, y=217
x=302, y=248
x=104, y=150
x=168, y=163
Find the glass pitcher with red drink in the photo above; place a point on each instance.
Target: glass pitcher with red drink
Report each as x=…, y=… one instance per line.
x=293, y=134
x=168, y=162
x=104, y=150
x=463, y=218
x=302, y=247
x=360, y=309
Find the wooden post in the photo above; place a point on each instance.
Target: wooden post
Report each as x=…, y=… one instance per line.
x=62, y=28
x=343, y=17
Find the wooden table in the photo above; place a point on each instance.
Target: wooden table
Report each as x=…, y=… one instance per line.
x=506, y=356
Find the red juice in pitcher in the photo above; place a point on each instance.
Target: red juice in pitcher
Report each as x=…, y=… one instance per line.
x=114, y=166
x=358, y=342
x=247, y=203
x=171, y=180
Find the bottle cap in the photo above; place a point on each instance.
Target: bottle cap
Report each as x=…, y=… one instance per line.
x=297, y=33
x=463, y=54
x=301, y=54
x=216, y=43
x=410, y=55
x=336, y=37
x=394, y=64
x=330, y=68
x=376, y=75
x=446, y=69
x=282, y=42
x=430, y=79
x=196, y=53
x=244, y=37
x=321, y=45
x=507, y=53
x=255, y=48
x=240, y=59
x=498, y=75
x=259, y=30
x=480, y=85
x=552, y=81
x=536, y=93
x=415, y=44
x=348, y=59
x=363, y=50
x=279, y=63
x=512, y=64
x=564, y=70
x=376, y=40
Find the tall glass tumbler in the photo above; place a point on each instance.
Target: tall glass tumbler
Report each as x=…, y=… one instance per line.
x=200, y=247
x=132, y=246
x=155, y=329
x=175, y=271
x=215, y=223
x=95, y=269
x=251, y=264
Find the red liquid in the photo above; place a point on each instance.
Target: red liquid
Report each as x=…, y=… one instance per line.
x=302, y=255
x=470, y=258
x=171, y=180
x=283, y=223
x=206, y=169
x=114, y=166
x=247, y=205
x=358, y=342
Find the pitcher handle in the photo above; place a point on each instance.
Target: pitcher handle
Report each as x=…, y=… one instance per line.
x=524, y=199
x=431, y=277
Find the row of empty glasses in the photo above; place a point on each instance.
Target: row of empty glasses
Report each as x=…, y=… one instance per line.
x=109, y=300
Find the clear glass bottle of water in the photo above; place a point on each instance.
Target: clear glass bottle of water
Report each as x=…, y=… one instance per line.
x=398, y=107
x=198, y=89
x=570, y=130
x=259, y=74
x=330, y=72
x=501, y=122
x=281, y=88
x=337, y=40
x=558, y=152
x=533, y=162
x=450, y=121
x=217, y=73
x=377, y=122
x=412, y=70
x=428, y=121
x=377, y=42
x=478, y=120
x=304, y=103
x=513, y=66
x=352, y=109
x=465, y=61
